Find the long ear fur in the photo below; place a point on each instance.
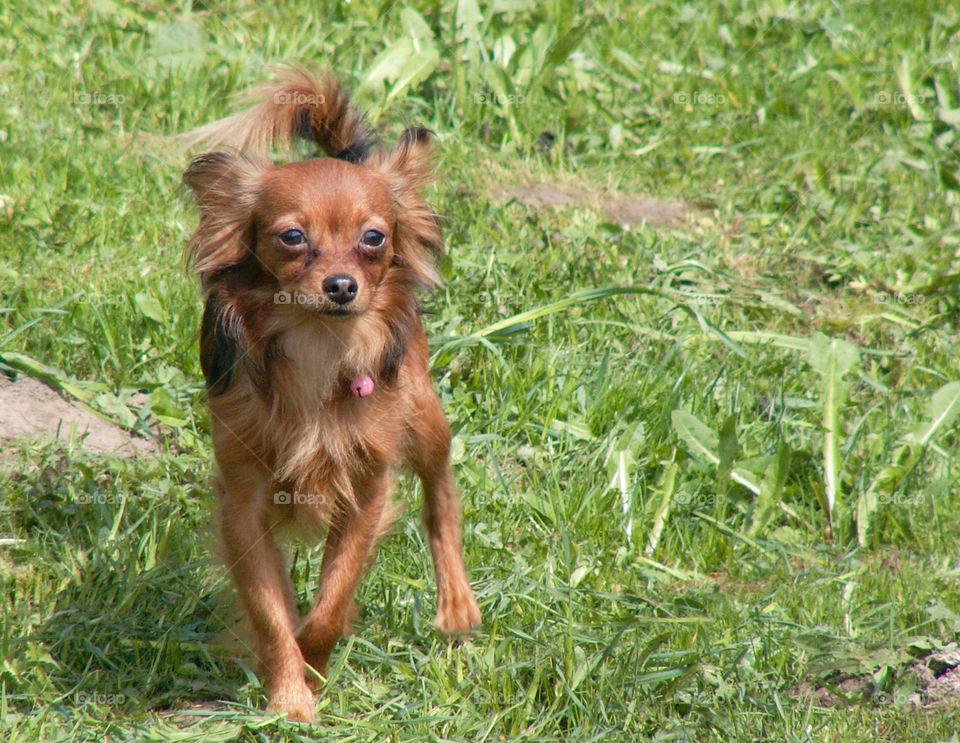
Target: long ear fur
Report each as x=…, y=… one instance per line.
x=296, y=105
x=418, y=240
x=225, y=187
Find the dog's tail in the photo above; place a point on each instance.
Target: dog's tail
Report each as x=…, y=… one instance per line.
x=295, y=105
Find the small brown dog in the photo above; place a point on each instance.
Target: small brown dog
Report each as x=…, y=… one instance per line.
x=315, y=360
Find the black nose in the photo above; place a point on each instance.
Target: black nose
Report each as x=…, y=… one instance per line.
x=341, y=288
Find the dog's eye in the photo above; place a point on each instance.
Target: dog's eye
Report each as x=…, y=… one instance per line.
x=292, y=238
x=373, y=239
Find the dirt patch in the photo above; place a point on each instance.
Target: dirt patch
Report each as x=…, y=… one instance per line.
x=29, y=409
x=928, y=683
x=618, y=208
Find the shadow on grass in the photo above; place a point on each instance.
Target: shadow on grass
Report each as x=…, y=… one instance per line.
x=120, y=603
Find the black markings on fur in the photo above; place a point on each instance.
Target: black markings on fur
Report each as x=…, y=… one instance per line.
x=357, y=152
x=219, y=347
x=303, y=127
x=393, y=356
x=395, y=350
x=261, y=374
x=415, y=135
x=224, y=354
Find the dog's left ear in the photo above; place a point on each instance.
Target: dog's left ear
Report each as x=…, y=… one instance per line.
x=418, y=240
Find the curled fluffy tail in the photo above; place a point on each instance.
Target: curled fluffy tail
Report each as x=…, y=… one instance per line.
x=295, y=105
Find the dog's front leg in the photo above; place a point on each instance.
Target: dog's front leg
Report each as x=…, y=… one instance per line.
x=256, y=566
x=457, y=609
x=352, y=536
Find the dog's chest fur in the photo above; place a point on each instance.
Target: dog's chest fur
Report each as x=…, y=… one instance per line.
x=320, y=436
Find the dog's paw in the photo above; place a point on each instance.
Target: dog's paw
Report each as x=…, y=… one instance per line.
x=293, y=700
x=457, y=611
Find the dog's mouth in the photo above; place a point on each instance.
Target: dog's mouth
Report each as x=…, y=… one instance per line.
x=335, y=311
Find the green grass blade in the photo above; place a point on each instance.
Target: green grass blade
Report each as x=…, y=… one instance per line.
x=771, y=489
x=668, y=486
x=831, y=358
x=942, y=410
x=46, y=374
x=703, y=443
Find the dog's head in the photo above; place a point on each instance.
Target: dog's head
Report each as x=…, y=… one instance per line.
x=324, y=234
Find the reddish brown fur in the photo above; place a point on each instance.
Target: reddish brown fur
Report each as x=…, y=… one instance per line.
x=284, y=420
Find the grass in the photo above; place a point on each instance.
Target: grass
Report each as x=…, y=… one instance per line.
x=684, y=503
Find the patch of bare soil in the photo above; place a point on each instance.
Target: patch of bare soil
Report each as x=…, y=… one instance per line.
x=29, y=408
x=934, y=680
x=621, y=209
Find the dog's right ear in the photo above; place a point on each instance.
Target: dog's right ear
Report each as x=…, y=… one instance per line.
x=226, y=187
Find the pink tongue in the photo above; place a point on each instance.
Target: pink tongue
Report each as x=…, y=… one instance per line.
x=362, y=386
